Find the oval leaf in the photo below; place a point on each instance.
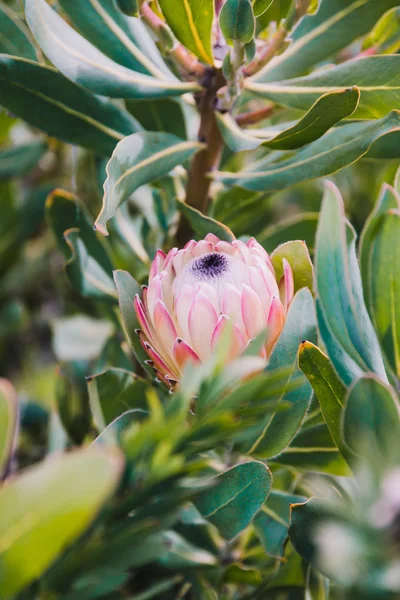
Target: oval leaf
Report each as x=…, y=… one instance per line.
x=328, y=110
x=191, y=21
x=235, y=498
x=136, y=160
x=47, y=100
x=297, y=255
x=237, y=20
x=81, y=62
x=14, y=35
x=202, y=224
x=62, y=494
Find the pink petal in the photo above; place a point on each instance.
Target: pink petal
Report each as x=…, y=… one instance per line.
x=202, y=321
x=244, y=251
x=154, y=293
x=286, y=285
x=202, y=247
x=164, y=327
x=257, y=283
x=158, y=362
x=269, y=279
x=237, y=341
x=210, y=237
x=211, y=294
x=177, y=261
x=226, y=248
x=259, y=251
x=183, y=354
x=169, y=257
x=183, y=303
x=252, y=311
x=157, y=264
x=144, y=323
x=231, y=305
x=275, y=323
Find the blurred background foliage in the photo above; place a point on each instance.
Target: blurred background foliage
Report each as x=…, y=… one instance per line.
x=145, y=528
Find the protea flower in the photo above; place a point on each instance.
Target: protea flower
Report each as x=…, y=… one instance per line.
x=195, y=293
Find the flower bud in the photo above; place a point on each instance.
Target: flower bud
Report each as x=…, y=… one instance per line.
x=194, y=294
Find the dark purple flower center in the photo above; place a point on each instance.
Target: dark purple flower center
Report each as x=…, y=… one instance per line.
x=210, y=266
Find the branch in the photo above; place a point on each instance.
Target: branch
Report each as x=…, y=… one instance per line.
x=254, y=116
x=178, y=52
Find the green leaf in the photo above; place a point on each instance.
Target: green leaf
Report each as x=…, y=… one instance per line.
x=336, y=149
x=114, y=392
x=371, y=419
x=261, y=6
x=182, y=554
x=327, y=386
x=306, y=525
x=299, y=227
x=124, y=40
x=14, y=35
x=154, y=591
x=84, y=272
x=339, y=289
x=276, y=431
x=385, y=284
x=136, y=160
x=377, y=78
x=235, y=497
x=112, y=434
x=8, y=423
x=272, y=522
x=298, y=257
x=236, y=20
x=81, y=62
x=49, y=101
x=334, y=26
x=63, y=494
x=129, y=7
x=327, y=110
x=314, y=449
x=191, y=21
x=88, y=265
x=127, y=289
x=385, y=36
x=20, y=159
x=388, y=199
x=202, y=224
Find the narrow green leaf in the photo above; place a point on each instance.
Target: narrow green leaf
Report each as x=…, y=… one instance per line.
x=49, y=101
x=377, y=78
x=127, y=289
x=276, y=430
x=371, y=419
x=297, y=255
x=334, y=26
x=15, y=37
x=235, y=498
x=81, y=62
x=314, y=449
x=64, y=495
x=327, y=110
x=88, y=265
x=261, y=6
x=272, y=522
x=191, y=21
x=385, y=36
x=112, y=434
x=154, y=591
x=202, y=224
x=84, y=272
x=336, y=149
x=299, y=227
x=236, y=20
x=20, y=159
x=327, y=386
x=388, y=199
x=8, y=423
x=339, y=288
x=136, y=160
x=116, y=391
x=385, y=284
x=124, y=40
